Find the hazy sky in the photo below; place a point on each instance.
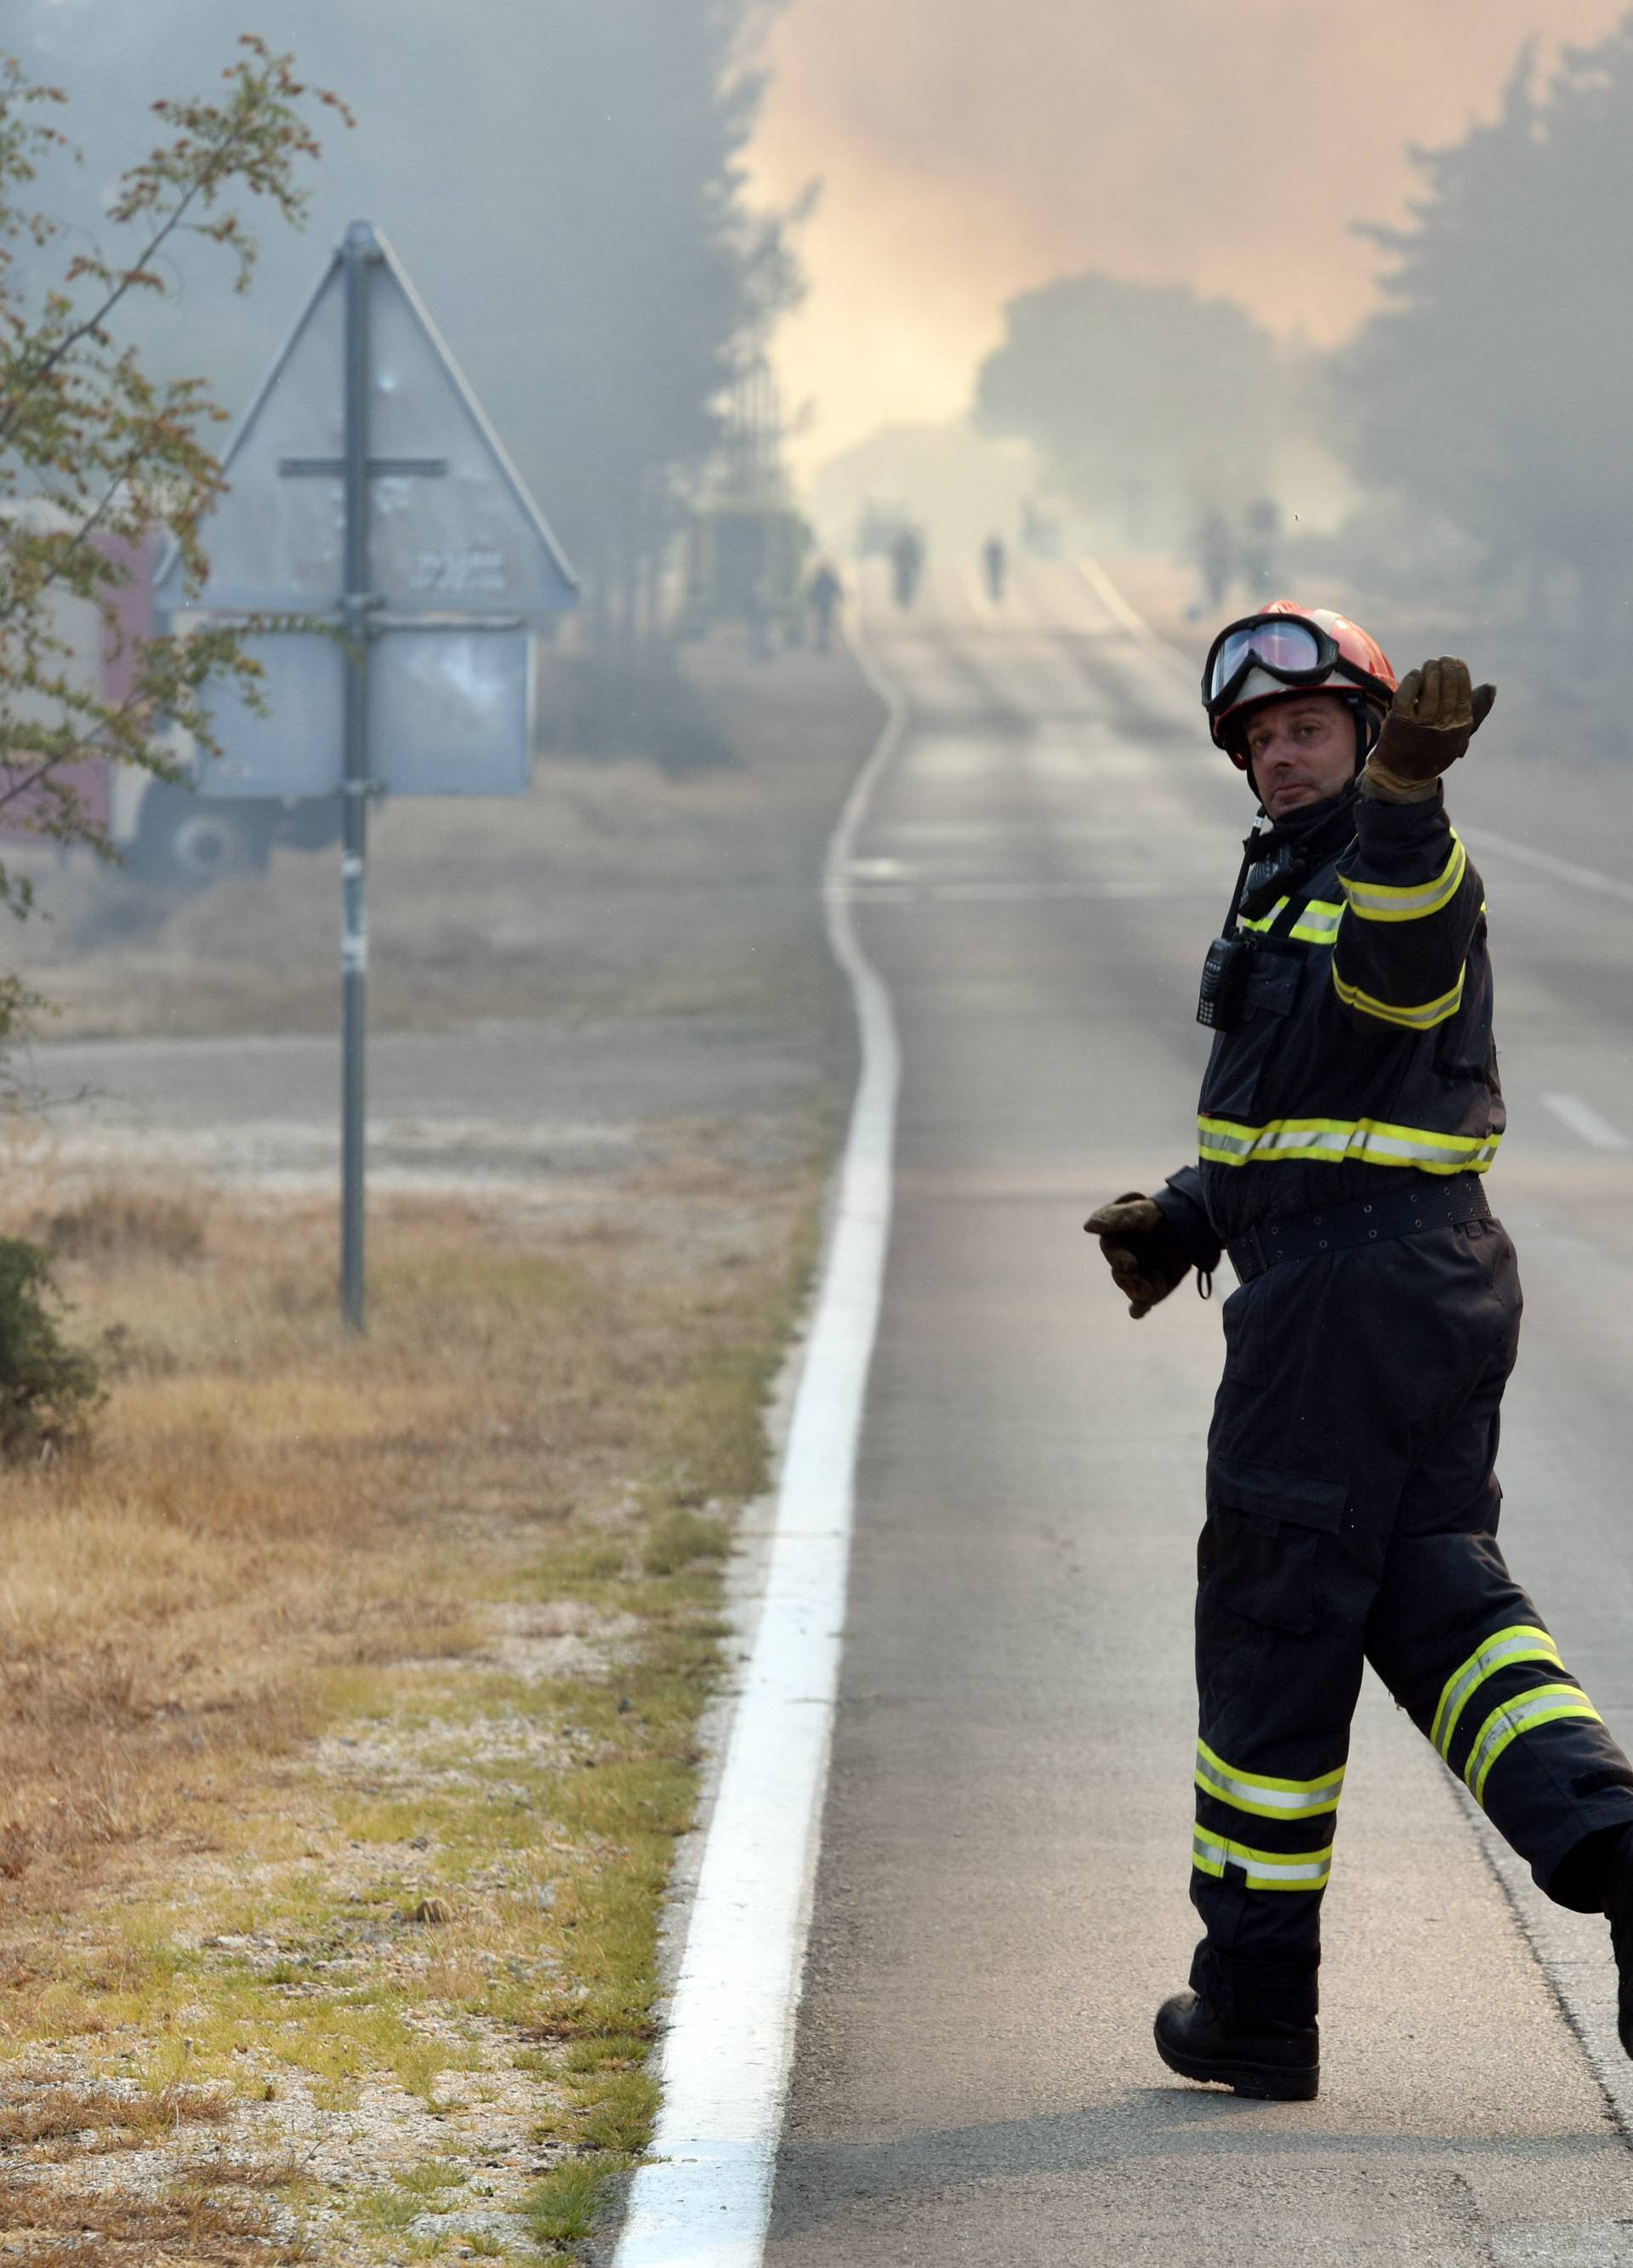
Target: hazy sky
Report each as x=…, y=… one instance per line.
x=971, y=149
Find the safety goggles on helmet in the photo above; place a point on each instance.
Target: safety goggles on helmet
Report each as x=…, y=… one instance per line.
x=1294, y=650
x=1285, y=650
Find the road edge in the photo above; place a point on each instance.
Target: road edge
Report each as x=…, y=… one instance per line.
x=1572, y=1951
x=704, y=2195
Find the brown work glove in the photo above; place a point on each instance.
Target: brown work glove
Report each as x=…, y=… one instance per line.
x=1140, y=1249
x=1435, y=716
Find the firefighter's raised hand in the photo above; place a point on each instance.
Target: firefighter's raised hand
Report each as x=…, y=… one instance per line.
x=1435, y=714
x=1141, y=1250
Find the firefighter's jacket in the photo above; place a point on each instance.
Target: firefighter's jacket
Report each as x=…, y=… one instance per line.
x=1364, y=1053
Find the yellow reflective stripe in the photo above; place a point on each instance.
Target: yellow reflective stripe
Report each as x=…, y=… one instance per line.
x=1264, y=920
x=1384, y=902
x=1519, y=1642
x=1225, y=1142
x=1543, y=1705
x=1422, y=1019
x=1266, y=1870
x=1266, y=1797
x=1318, y=924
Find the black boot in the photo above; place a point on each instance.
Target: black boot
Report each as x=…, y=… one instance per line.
x=1619, y=1907
x=1273, y=2060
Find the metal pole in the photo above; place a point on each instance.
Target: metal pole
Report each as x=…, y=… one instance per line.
x=357, y=253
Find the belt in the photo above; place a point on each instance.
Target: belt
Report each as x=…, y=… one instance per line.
x=1373, y=1220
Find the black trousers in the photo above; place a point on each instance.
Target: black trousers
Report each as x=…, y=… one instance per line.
x=1352, y=1515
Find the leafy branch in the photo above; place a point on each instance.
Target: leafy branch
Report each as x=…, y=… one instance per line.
x=99, y=460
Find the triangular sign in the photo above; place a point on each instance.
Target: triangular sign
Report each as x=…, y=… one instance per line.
x=452, y=527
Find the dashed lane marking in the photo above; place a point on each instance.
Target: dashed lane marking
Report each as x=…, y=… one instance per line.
x=865, y=890
x=1584, y=1120
x=1563, y=869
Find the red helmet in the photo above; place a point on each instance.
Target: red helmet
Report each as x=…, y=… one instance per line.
x=1286, y=649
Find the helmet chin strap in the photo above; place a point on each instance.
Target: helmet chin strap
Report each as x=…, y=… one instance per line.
x=1366, y=734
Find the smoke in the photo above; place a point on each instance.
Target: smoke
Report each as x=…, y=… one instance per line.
x=562, y=181
x=973, y=149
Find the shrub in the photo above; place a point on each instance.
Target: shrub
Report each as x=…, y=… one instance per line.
x=49, y=1391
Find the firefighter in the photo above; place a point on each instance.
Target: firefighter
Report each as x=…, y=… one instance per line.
x=1348, y=1113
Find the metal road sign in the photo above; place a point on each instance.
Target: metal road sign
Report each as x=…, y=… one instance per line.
x=450, y=711
x=369, y=494
x=460, y=562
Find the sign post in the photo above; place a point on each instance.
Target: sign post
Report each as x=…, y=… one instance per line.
x=354, y=787
x=422, y=567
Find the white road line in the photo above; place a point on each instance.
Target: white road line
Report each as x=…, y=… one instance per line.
x=867, y=892
x=704, y=2198
x=1161, y=647
x=1112, y=599
x=1563, y=869
x=1583, y=1119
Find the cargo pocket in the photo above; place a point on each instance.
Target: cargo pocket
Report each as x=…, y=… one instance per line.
x=1242, y=1318
x=1260, y=1549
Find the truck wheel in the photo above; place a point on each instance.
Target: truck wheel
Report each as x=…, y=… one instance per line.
x=184, y=839
x=209, y=843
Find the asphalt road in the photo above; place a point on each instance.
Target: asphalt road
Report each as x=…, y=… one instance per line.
x=1001, y=1901
x=497, y=1103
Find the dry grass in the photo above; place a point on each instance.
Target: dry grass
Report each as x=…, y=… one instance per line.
x=347, y=1706
x=54, y=2122
x=349, y=1692
x=118, y=1224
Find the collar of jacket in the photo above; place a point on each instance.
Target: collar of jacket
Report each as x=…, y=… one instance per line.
x=1286, y=854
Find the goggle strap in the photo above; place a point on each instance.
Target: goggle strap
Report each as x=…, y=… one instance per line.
x=1296, y=680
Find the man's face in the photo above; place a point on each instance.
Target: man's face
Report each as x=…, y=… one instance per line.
x=1301, y=750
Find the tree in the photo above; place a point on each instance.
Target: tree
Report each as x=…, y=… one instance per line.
x=1489, y=394
x=564, y=180
x=1147, y=404
x=651, y=280
x=97, y=454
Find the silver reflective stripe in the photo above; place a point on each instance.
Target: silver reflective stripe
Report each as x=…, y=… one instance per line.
x=1318, y=924
x=1265, y=1797
x=1544, y=1704
x=1266, y=1870
x=1265, y=921
x=1420, y=1017
x=1224, y=1142
x=1520, y=1642
x=1387, y=902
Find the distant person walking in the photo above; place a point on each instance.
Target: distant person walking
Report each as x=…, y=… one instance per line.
x=906, y=566
x=825, y=595
x=994, y=564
